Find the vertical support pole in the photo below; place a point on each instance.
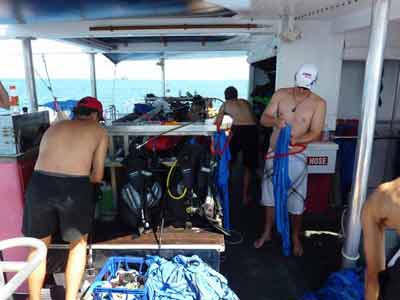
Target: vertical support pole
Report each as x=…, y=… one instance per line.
x=373, y=74
x=162, y=65
x=29, y=73
x=251, y=82
x=92, y=57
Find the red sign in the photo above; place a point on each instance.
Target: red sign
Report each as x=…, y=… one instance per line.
x=317, y=160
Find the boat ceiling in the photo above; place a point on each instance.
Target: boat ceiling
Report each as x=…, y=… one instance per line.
x=165, y=39
x=158, y=27
x=37, y=11
x=120, y=57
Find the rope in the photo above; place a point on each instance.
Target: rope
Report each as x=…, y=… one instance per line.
x=224, y=148
x=273, y=155
x=113, y=89
x=163, y=133
x=48, y=84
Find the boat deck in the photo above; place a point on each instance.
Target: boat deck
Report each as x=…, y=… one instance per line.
x=257, y=274
x=265, y=274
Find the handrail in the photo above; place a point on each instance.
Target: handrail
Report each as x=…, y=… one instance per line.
x=23, y=269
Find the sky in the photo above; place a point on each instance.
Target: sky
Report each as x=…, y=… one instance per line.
x=68, y=61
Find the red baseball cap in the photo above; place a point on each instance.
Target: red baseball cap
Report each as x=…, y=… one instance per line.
x=93, y=103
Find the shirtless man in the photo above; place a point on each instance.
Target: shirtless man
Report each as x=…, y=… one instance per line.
x=381, y=211
x=305, y=112
x=244, y=134
x=59, y=195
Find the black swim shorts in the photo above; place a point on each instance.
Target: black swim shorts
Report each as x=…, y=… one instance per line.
x=245, y=139
x=58, y=203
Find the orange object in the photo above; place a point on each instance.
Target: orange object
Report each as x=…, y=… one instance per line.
x=14, y=99
x=170, y=123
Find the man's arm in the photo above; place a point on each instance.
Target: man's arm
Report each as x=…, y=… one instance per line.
x=98, y=160
x=220, y=116
x=253, y=115
x=317, y=125
x=374, y=248
x=268, y=118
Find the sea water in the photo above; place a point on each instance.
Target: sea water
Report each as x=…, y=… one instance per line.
x=123, y=93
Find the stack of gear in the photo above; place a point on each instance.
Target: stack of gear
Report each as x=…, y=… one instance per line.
x=185, y=278
x=127, y=280
x=191, y=188
x=143, y=191
x=119, y=278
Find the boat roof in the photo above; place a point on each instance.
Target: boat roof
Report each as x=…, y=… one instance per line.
x=168, y=28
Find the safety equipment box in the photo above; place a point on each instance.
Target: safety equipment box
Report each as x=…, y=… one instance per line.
x=321, y=157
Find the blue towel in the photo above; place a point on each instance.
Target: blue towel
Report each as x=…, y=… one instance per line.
x=282, y=184
x=222, y=180
x=185, y=278
x=347, y=284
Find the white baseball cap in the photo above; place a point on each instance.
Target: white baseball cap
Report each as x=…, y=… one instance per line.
x=306, y=76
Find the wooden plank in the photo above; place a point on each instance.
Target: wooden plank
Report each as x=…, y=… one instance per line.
x=172, y=238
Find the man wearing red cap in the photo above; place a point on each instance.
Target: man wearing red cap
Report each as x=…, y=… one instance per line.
x=59, y=196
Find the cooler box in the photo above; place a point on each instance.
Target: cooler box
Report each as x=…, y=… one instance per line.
x=321, y=159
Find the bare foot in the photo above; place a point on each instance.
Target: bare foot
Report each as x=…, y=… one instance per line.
x=262, y=240
x=297, y=247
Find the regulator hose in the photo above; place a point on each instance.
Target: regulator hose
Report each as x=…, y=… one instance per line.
x=171, y=171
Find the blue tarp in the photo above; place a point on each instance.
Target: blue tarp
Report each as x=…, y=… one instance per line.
x=185, y=278
x=224, y=156
x=66, y=105
x=63, y=105
x=347, y=284
x=282, y=183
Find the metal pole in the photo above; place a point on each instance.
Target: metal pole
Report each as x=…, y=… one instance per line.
x=372, y=79
x=29, y=73
x=252, y=85
x=93, y=74
x=162, y=65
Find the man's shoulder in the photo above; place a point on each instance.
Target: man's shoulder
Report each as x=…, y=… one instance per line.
x=283, y=92
x=87, y=126
x=318, y=99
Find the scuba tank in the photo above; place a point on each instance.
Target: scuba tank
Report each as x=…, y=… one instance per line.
x=195, y=180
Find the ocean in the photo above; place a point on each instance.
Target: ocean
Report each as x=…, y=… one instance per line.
x=124, y=93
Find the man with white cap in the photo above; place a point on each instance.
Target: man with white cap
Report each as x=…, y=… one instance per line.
x=305, y=112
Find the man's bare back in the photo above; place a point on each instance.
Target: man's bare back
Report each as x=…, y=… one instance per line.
x=73, y=148
x=302, y=109
x=240, y=111
x=381, y=211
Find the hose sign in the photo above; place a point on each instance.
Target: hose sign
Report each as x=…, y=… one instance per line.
x=317, y=160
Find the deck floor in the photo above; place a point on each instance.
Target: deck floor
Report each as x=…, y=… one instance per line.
x=265, y=274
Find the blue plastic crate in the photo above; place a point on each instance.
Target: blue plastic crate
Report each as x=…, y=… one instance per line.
x=109, y=270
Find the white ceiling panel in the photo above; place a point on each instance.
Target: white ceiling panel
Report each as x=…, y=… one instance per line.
x=316, y=9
